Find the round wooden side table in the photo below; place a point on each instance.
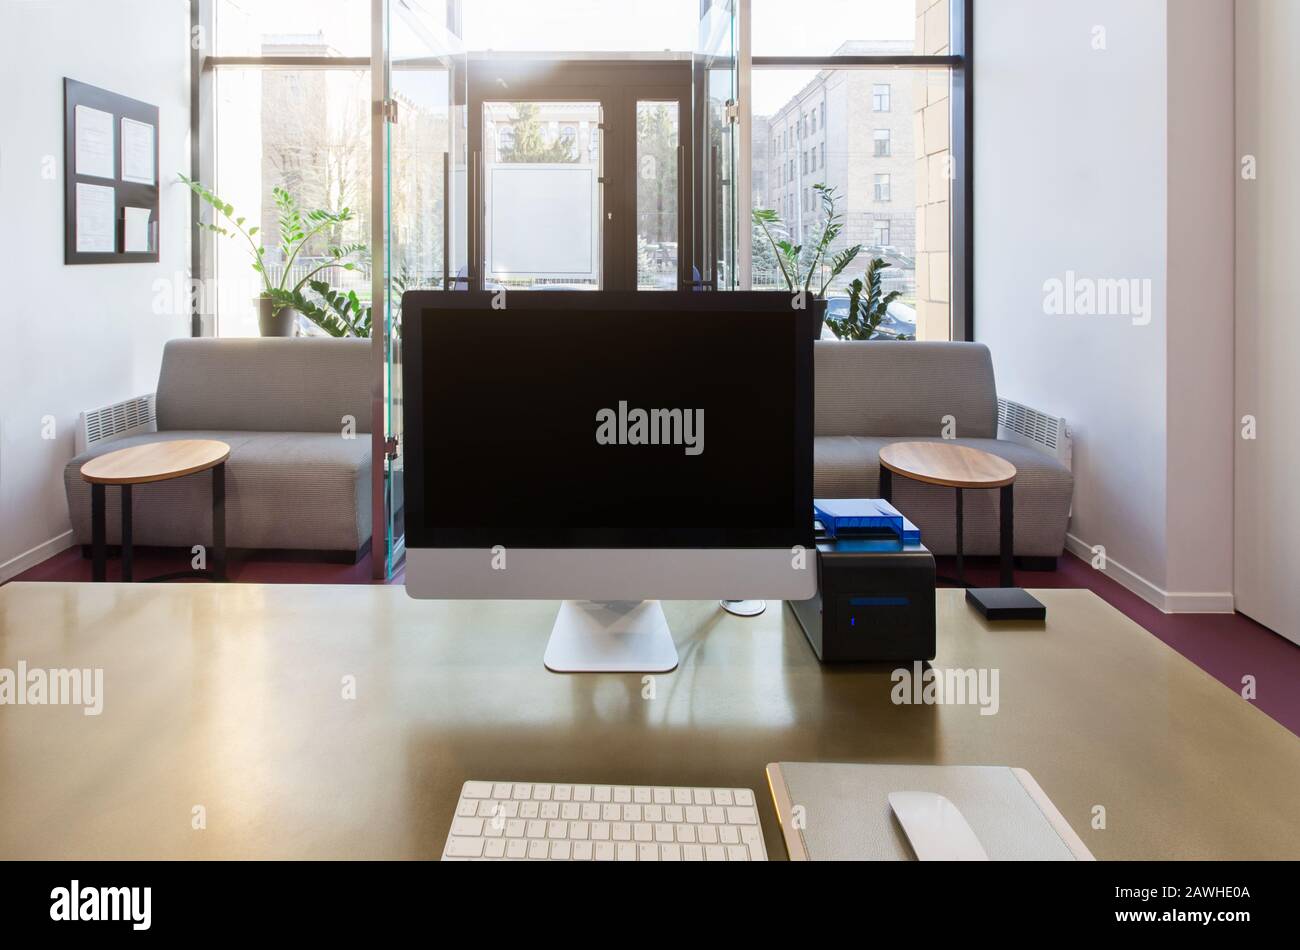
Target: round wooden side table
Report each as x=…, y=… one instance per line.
x=155, y=462
x=960, y=467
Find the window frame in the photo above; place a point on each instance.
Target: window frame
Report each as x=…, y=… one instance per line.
x=960, y=66
x=203, y=121
x=882, y=188
x=882, y=146
x=882, y=101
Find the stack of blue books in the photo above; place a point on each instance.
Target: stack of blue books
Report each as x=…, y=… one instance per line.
x=857, y=517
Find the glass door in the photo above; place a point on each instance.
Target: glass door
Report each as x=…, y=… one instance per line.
x=543, y=217
x=715, y=81
x=421, y=237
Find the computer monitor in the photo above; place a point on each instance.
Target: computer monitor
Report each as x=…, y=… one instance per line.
x=609, y=450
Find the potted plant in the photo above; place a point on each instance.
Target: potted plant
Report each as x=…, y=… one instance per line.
x=280, y=302
x=800, y=264
x=865, y=314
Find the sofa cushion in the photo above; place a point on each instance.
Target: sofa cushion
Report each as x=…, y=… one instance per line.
x=290, y=384
x=289, y=490
x=849, y=467
x=888, y=388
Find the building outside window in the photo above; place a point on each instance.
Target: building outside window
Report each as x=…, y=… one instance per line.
x=881, y=229
x=882, y=188
x=880, y=97
x=883, y=143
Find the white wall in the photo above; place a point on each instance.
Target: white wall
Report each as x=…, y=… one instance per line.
x=1268, y=328
x=76, y=337
x=1103, y=147
x=1070, y=160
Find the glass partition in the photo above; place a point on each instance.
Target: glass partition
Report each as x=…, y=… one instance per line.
x=421, y=94
x=715, y=80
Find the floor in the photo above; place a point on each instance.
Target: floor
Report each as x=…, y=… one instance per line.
x=1227, y=646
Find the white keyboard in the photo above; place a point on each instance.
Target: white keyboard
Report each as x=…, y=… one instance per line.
x=520, y=821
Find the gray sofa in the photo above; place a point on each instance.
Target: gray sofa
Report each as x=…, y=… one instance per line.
x=293, y=481
x=872, y=393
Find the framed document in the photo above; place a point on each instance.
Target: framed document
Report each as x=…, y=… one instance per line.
x=111, y=193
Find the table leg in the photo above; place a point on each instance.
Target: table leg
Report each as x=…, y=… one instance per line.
x=886, y=484
x=126, y=533
x=219, y=522
x=961, y=574
x=98, y=541
x=1007, y=518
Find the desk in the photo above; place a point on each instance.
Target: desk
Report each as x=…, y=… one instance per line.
x=230, y=697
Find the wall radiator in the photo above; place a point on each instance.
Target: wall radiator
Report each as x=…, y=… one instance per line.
x=112, y=422
x=1048, y=434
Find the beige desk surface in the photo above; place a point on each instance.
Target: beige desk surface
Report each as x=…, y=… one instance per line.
x=229, y=697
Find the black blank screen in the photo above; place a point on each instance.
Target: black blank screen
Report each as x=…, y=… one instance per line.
x=509, y=429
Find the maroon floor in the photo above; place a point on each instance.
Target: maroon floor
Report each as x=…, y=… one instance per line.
x=1227, y=646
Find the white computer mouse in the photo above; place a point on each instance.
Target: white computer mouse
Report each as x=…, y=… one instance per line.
x=935, y=828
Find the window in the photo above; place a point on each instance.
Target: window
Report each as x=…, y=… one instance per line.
x=874, y=169
x=276, y=124
x=803, y=162
x=656, y=195
x=306, y=131
x=823, y=115
x=880, y=97
x=578, y=25
x=823, y=28
x=569, y=135
x=813, y=117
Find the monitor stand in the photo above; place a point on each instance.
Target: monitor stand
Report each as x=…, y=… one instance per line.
x=626, y=636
